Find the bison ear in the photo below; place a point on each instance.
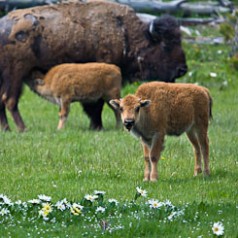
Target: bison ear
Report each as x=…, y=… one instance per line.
x=145, y=103
x=115, y=103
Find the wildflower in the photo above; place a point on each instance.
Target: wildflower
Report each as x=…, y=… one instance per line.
x=175, y=214
x=76, y=209
x=168, y=204
x=99, y=192
x=44, y=215
x=60, y=205
x=18, y=202
x=112, y=200
x=46, y=208
x=44, y=198
x=213, y=75
x=155, y=203
x=91, y=198
x=35, y=201
x=5, y=200
x=4, y=211
x=218, y=229
x=100, y=209
x=141, y=192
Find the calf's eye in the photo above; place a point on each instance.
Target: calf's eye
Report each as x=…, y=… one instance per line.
x=121, y=109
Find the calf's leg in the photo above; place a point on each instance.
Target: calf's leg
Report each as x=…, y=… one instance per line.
x=155, y=151
x=204, y=144
x=146, y=162
x=63, y=113
x=197, y=151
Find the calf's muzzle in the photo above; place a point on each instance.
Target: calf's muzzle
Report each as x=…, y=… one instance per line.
x=129, y=123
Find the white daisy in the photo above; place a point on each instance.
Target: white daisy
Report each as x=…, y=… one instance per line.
x=45, y=198
x=35, y=201
x=5, y=200
x=100, y=209
x=213, y=75
x=142, y=192
x=218, y=229
x=4, y=211
x=155, y=203
x=112, y=200
x=76, y=209
x=99, y=192
x=91, y=198
x=60, y=205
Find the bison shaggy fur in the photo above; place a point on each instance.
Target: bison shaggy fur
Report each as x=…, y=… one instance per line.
x=96, y=31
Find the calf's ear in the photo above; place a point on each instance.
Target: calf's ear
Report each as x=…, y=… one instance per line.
x=39, y=81
x=145, y=103
x=115, y=103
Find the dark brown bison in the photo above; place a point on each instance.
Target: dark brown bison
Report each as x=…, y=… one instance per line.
x=95, y=31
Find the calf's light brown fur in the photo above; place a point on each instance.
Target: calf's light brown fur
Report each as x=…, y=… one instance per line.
x=158, y=109
x=86, y=83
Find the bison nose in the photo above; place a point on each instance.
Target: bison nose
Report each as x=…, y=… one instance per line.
x=129, y=123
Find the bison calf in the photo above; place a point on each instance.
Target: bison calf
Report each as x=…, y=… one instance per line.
x=158, y=109
x=91, y=84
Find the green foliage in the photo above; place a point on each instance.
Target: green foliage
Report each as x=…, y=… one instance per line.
x=234, y=61
x=76, y=161
x=227, y=30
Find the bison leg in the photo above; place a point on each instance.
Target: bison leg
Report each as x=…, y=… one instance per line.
x=157, y=147
x=146, y=162
x=197, y=152
x=12, y=106
x=63, y=113
x=204, y=144
x=3, y=118
x=94, y=112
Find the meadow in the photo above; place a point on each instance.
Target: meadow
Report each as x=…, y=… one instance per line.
x=81, y=183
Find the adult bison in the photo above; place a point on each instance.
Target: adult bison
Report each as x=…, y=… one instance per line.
x=41, y=37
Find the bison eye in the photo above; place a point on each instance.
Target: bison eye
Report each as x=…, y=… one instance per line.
x=121, y=109
x=137, y=109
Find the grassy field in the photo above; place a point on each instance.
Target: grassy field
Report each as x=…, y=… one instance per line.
x=75, y=162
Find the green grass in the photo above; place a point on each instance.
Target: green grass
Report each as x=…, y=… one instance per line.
x=76, y=161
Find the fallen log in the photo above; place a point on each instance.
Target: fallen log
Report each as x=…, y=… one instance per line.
x=155, y=7
x=151, y=6
x=8, y=5
x=184, y=21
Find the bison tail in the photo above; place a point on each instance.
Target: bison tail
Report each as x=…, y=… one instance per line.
x=210, y=106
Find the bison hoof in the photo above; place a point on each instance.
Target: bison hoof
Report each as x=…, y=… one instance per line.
x=146, y=179
x=154, y=180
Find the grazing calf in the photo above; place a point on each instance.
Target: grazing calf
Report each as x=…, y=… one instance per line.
x=158, y=109
x=91, y=83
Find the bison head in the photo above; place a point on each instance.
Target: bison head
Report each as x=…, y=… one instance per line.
x=165, y=59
